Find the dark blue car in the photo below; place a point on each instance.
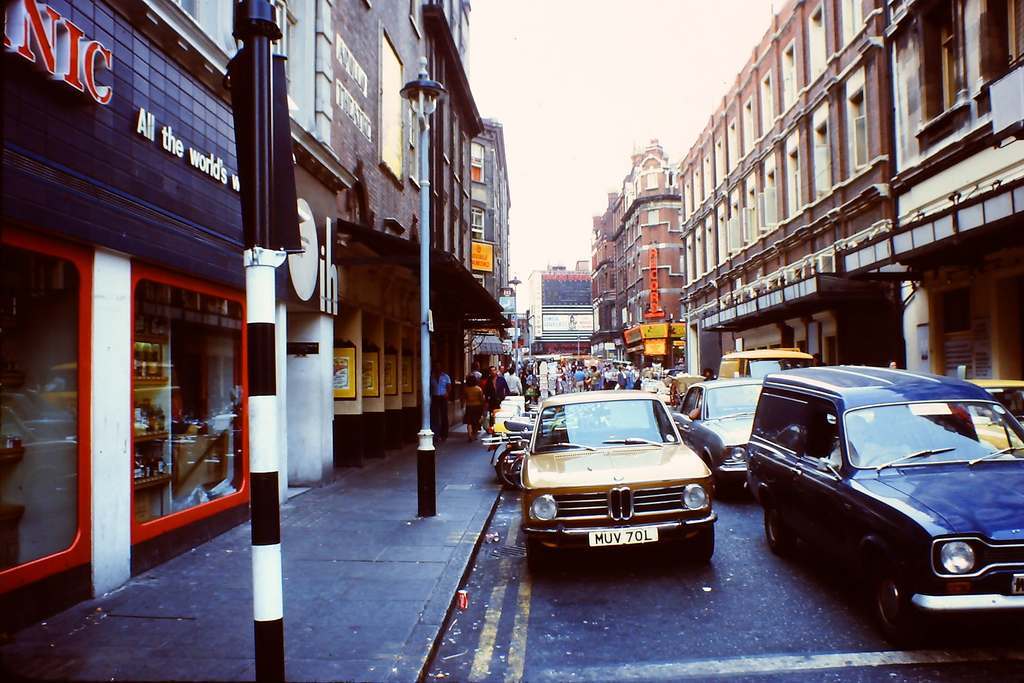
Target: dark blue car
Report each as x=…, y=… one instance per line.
x=917, y=480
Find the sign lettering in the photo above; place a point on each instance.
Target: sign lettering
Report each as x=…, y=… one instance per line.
x=210, y=164
x=60, y=45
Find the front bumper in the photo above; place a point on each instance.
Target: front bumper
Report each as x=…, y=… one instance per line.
x=987, y=602
x=579, y=537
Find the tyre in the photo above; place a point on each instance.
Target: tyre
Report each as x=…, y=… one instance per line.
x=700, y=548
x=508, y=469
x=892, y=610
x=780, y=537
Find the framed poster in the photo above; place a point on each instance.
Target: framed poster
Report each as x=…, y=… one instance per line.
x=407, y=371
x=371, y=374
x=390, y=374
x=344, y=373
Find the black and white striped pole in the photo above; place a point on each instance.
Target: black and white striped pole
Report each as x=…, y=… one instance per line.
x=269, y=217
x=423, y=94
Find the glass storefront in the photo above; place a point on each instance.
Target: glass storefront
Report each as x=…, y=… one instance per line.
x=39, y=428
x=187, y=388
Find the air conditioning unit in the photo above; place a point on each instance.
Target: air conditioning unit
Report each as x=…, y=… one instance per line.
x=825, y=263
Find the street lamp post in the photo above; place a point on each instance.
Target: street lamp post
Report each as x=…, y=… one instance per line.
x=517, y=353
x=423, y=94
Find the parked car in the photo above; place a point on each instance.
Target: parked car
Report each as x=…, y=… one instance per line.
x=760, y=362
x=608, y=468
x=1009, y=392
x=917, y=480
x=715, y=420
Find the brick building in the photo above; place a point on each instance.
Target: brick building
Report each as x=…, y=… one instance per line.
x=489, y=213
x=791, y=171
x=607, y=338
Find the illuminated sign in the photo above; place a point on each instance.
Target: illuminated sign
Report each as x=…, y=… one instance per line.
x=654, y=309
x=483, y=257
x=560, y=322
x=61, y=47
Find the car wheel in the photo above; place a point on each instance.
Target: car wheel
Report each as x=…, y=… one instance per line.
x=780, y=537
x=893, y=612
x=537, y=555
x=701, y=547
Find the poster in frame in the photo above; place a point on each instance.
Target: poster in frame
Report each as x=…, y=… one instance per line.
x=344, y=373
x=371, y=374
x=390, y=374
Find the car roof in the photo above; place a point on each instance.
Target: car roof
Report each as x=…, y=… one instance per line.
x=767, y=353
x=857, y=385
x=598, y=397
x=999, y=383
x=720, y=383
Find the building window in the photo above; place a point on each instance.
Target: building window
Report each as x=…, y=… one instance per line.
x=941, y=58
x=748, y=126
x=816, y=37
x=722, y=235
x=853, y=19
x=188, y=397
x=651, y=180
x=285, y=21
x=189, y=6
x=770, y=195
x=789, y=78
x=392, y=140
x=794, y=198
x=735, y=223
x=1015, y=22
x=477, y=223
x=477, y=162
x=414, y=18
x=709, y=243
x=822, y=152
x=44, y=406
x=767, y=104
x=414, y=143
x=751, y=228
x=1000, y=36
x=856, y=121
x=719, y=163
x=733, y=145
x=653, y=217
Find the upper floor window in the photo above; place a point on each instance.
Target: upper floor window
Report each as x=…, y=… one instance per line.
x=853, y=19
x=940, y=55
x=794, y=195
x=477, y=162
x=478, y=223
x=1002, y=36
x=748, y=125
x=733, y=145
x=767, y=103
x=285, y=21
x=789, y=77
x=816, y=37
x=856, y=121
x=822, y=152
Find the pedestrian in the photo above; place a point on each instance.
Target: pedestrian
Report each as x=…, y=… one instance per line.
x=472, y=406
x=632, y=380
x=708, y=374
x=579, y=378
x=475, y=371
x=515, y=385
x=440, y=389
x=596, y=379
x=620, y=379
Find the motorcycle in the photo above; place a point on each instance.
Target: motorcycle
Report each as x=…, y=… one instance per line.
x=507, y=450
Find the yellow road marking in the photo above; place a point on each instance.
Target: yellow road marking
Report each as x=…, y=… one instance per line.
x=517, y=648
x=489, y=631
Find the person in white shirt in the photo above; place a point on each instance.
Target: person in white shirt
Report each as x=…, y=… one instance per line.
x=515, y=385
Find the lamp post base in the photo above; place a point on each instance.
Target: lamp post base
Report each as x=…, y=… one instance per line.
x=426, y=475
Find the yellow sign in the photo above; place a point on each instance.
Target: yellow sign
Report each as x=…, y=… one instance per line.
x=654, y=347
x=677, y=330
x=344, y=372
x=371, y=374
x=654, y=331
x=483, y=256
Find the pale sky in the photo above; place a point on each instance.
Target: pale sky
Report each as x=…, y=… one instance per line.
x=578, y=83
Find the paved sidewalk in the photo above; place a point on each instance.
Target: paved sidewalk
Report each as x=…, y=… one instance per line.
x=367, y=586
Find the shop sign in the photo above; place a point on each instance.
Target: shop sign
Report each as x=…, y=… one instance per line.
x=61, y=46
x=677, y=330
x=582, y=322
x=315, y=263
x=654, y=331
x=632, y=335
x=210, y=164
x=654, y=347
x=483, y=257
x=654, y=309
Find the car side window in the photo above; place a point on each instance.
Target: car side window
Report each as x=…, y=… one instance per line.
x=822, y=431
x=779, y=420
x=690, y=400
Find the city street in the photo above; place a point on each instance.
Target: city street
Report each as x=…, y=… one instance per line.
x=642, y=614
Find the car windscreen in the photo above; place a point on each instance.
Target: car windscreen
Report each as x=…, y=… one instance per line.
x=760, y=368
x=957, y=430
x=594, y=423
x=735, y=400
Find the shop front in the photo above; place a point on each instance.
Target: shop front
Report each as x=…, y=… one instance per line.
x=122, y=336
x=648, y=343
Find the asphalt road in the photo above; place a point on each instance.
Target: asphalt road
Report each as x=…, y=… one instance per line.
x=642, y=613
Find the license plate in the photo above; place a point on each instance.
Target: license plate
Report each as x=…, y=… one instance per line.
x=623, y=537
x=1016, y=584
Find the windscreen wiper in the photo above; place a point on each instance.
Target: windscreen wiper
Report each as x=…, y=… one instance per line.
x=1003, y=451
x=566, y=445
x=916, y=454
x=632, y=441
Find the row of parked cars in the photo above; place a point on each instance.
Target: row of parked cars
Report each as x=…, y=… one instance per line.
x=914, y=480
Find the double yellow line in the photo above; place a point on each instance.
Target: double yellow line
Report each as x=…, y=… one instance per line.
x=516, y=661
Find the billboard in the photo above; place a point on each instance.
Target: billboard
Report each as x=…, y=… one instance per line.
x=562, y=322
x=483, y=257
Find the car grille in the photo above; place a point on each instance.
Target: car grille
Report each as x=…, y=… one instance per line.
x=621, y=503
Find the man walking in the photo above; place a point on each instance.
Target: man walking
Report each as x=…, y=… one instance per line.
x=515, y=385
x=440, y=387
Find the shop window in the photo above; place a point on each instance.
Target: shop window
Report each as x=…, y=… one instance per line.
x=188, y=399
x=43, y=414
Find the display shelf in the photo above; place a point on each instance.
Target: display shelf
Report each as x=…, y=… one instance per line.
x=151, y=436
x=11, y=455
x=151, y=481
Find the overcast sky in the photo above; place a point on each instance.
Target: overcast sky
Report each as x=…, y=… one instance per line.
x=578, y=83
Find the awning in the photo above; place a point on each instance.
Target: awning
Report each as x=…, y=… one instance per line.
x=455, y=294
x=487, y=344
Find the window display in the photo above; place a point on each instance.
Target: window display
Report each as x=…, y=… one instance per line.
x=187, y=387
x=39, y=430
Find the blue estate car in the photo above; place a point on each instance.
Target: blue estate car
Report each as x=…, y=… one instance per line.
x=917, y=480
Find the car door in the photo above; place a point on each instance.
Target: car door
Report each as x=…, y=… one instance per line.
x=693, y=404
x=772, y=452
x=819, y=499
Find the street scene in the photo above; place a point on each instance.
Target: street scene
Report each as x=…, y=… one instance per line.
x=512, y=341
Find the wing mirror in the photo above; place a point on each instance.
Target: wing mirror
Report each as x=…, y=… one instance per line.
x=516, y=425
x=681, y=418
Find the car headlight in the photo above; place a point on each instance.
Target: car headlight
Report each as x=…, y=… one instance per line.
x=694, y=496
x=544, y=507
x=736, y=454
x=957, y=557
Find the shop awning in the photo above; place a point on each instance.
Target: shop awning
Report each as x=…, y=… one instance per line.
x=455, y=294
x=487, y=344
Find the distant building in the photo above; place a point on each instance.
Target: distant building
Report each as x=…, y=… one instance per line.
x=562, y=315
x=490, y=208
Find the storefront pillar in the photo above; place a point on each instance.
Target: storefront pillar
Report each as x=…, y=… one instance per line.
x=392, y=361
x=373, y=392
x=111, y=506
x=310, y=404
x=348, y=409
